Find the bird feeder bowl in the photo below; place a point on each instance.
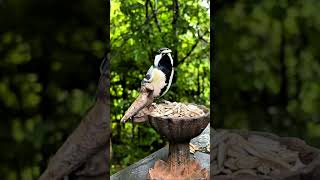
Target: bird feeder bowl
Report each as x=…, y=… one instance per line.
x=179, y=131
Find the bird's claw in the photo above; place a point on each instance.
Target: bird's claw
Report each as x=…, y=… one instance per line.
x=149, y=86
x=142, y=115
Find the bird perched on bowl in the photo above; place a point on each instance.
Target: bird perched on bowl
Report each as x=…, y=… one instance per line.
x=155, y=84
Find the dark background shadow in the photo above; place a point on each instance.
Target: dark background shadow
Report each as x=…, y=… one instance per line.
x=50, y=53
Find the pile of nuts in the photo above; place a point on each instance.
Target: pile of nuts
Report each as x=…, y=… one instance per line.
x=256, y=155
x=176, y=110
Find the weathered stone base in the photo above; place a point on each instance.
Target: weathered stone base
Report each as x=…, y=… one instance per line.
x=162, y=171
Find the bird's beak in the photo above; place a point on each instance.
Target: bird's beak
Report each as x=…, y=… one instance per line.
x=144, y=99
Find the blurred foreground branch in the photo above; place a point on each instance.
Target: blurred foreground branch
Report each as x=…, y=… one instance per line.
x=85, y=154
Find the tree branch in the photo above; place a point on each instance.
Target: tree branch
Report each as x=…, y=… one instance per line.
x=175, y=40
x=192, y=48
x=129, y=35
x=155, y=17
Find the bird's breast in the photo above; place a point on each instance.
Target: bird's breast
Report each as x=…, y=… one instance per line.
x=158, y=82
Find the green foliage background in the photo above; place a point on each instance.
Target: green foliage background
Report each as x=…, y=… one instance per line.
x=138, y=29
x=267, y=68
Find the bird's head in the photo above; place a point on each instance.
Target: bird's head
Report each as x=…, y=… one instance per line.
x=160, y=74
x=164, y=50
x=163, y=58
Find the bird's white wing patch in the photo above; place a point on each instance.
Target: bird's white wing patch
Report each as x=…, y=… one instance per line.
x=171, y=59
x=157, y=59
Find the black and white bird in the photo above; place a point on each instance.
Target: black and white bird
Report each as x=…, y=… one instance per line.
x=155, y=84
x=161, y=73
